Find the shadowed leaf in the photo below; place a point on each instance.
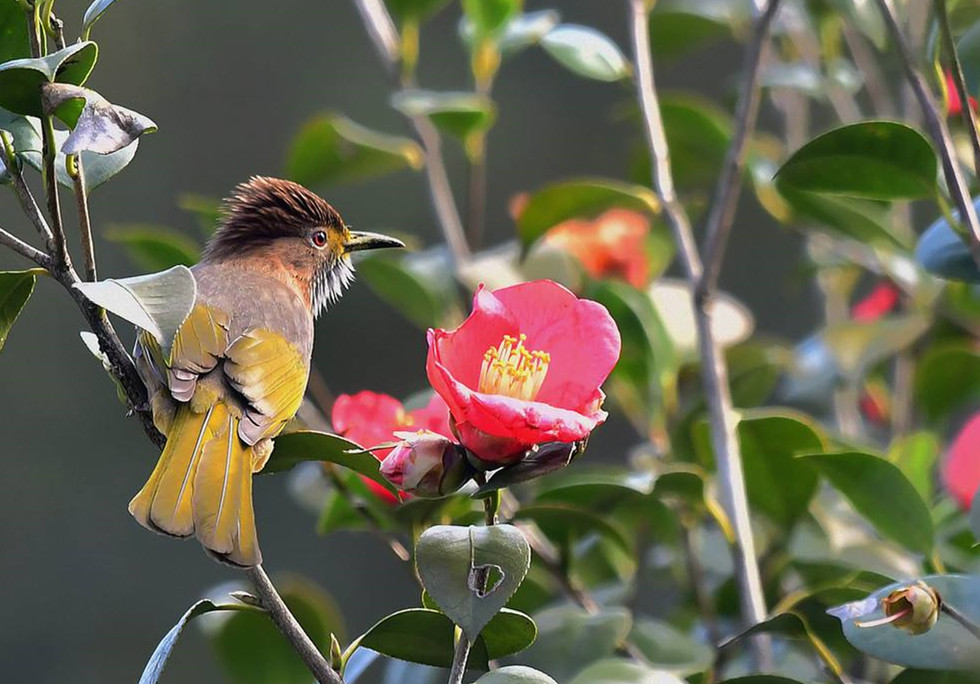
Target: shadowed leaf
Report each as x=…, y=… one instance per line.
x=15, y=289
x=21, y=79
x=308, y=445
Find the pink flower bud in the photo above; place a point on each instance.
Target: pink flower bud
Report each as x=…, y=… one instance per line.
x=425, y=464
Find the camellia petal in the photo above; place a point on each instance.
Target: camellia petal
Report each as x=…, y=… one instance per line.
x=961, y=469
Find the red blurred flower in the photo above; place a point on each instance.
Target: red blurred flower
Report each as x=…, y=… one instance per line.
x=961, y=469
x=954, y=105
x=369, y=419
x=880, y=301
x=524, y=368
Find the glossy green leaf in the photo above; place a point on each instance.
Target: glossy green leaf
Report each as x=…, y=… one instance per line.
x=880, y=160
x=861, y=220
x=521, y=32
x=580, y=198
x=946, y=378
x=97, y=125
x=450, y=559
x=933, y=677
x=858, y=346
x=15, y=289
x=881, y=493
x=24, y=135
x=13, y=32
x=778, y=484
x=586, y=52
x=509, y=631
x=916, y=456
x=157, y=302
x=21, y=79
x=332, y=149
x=569, y=638
x=622, y=671
x=154, y=666
x=515, y=674
x=947, y=646
x=942, y=251
x=414, y=10
x=459, y=114
x=676, y=30
x=698, y=133
x=154, y=248
x=309, y=445
x=253, y=651
x=667, y=648
x=490, y=16
x=93, y=14
x=416, y=293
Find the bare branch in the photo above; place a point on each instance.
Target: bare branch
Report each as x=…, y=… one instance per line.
x=966, y=111
x=24, y=196
x=24, y=249
x=722, y=214
x=938, y=132
x=713, y=370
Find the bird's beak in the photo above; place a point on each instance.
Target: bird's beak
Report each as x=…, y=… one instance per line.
x=360, y=240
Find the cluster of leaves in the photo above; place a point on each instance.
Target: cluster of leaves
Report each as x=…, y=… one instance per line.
x=619, y=570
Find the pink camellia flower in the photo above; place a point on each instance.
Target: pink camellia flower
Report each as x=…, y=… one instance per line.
x=880, y=301
x=961, y=469
x=524, y=368
x=370, y=419
x=425, y=464
x=954, y=105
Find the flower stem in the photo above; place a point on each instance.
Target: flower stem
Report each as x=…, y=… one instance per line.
x=966, y=622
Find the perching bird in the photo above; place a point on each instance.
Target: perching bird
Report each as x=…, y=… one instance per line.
x=240, y=361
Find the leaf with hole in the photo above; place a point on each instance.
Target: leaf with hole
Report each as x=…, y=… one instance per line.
x=15, y=289
x=332, y=149
x=157, y=302
x=587, y=52
x=310, y=445
x=97, y=125
x=459, y=114
x=21, y=79
x=881, y=494
x=947, y=646
x=878, y=160
x=154, y=248
x=454, y=562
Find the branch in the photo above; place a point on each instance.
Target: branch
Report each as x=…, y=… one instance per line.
x=24, y=196
x=291, y=629
x=713, y=370
x=719, y=224
x=938, y=132
x=381, y=28
x=50, y=156
x=969, y=118
x=77, y=173
x=24, y=249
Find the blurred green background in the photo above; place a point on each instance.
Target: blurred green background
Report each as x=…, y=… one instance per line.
x=85, y=592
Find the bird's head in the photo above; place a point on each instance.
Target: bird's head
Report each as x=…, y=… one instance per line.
x=270, y=224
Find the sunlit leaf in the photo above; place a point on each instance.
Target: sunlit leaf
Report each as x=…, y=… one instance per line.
x=93, y=14
x=415, y=10
x=457, y=113
x=515, y=674
x=97, y=125
x=521, y=32
x=490, y=16
x=586, y=52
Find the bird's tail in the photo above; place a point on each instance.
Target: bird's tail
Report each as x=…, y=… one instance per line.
x=202, y=485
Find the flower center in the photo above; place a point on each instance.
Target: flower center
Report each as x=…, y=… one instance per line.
x=512, y=370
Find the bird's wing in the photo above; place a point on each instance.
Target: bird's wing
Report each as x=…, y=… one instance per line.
x=271, y=373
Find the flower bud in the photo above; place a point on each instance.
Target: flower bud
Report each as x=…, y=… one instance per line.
x=914, y=608
x=425, y=464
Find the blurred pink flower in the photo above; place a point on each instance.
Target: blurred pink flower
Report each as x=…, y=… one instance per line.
x=961, y=469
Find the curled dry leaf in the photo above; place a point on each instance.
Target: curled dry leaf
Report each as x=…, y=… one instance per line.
x=97, y=125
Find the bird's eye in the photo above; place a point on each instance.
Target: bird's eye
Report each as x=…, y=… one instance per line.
x=319, y=239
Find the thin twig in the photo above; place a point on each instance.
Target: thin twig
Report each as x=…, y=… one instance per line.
x=291, y=629
x=713, y=369
x=24, y=196
x=461, y=655
x=381, y=29
x=24, y=249
x=966, y=622
x=938, y=132
x=50, y=155
x=966, y=111
x=722, y=214
x=77, y=174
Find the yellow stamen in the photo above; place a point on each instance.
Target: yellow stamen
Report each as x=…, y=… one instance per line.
x=512, y=370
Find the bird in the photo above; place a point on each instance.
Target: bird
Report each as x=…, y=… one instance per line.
x=239, y=364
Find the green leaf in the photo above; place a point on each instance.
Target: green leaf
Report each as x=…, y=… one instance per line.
x=569, y=638
x=858, y=346
x=793, y=626
x=881, y=493
x=459, y=114
x=667, y=648
x=548, y=458
x=97, y=125
x=509, y=631
x=416, y=293
x=332, y=149
x=579, y=198
x=621, y=671
x=414, y=10
x=676, y=30
x=778, y=484
x=879, y=160
x=157, y=302
x=942, y=251
x=596, y=489
x=968, y=50
x=15, y=289
x=253, y=651
x=154, y=666
x=93, y=14
x=947, y=646
x=490, y=16
x=515, y=674
x=205, y=210
x=98, y=167
x=309, y=445
x=933, y=677
x=154, y=248
x=915, y=455
x=564, y=524
x=13, y=32
x=587, y=52
x=21, y=79
x=861, y=220
x=761, y=679
x=450, y=560
x=521, y=32
x=698, y=133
